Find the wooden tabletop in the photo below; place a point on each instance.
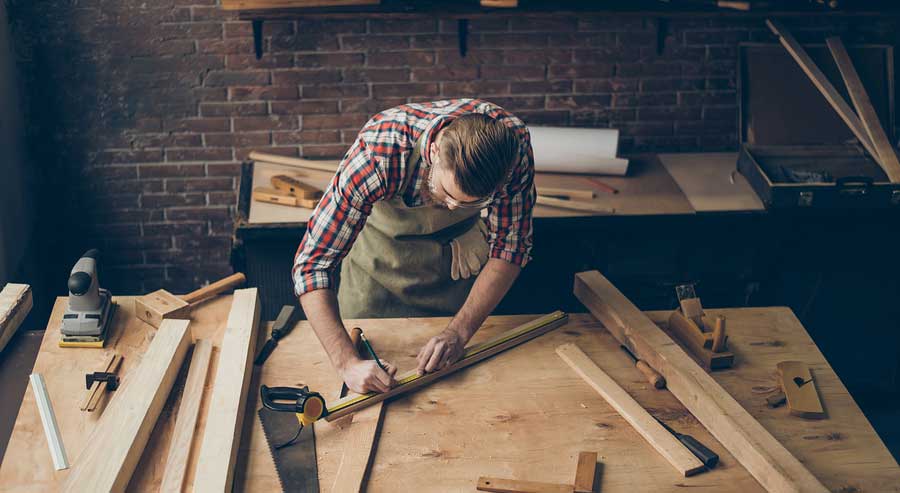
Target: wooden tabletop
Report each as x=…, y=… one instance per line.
x=523, y=414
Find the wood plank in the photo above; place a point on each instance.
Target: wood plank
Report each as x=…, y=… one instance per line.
x=48, y=418
x=112, y=452
x=411, y=380
x=569, y=193
x=221, y=437
x=89, y=395
x=886, y=151
x=585, y=472
x=820, y=80
x=100, y=390
x=186, y=423
x=800, y=390
x=575, y=205
x=499, y=485
x=686, y=463
x=773, y=466
x=320, y=165
x=15, y=304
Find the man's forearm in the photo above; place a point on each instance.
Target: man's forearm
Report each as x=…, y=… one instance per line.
x=321, y=309
x=490, y=287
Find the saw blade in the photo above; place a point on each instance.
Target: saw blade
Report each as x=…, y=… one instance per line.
x=296, y=463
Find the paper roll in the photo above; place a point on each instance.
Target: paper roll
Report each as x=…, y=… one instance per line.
x=577, y=150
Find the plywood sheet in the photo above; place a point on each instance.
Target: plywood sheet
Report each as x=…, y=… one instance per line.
x=706, y=179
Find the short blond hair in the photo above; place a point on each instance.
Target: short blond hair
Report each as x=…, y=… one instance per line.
x=480, y=151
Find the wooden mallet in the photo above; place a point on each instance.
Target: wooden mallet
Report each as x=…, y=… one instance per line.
x=158, y=305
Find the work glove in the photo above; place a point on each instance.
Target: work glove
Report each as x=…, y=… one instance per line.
x=469, y=252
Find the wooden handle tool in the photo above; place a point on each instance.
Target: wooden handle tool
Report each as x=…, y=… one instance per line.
x=653, y=377
x=718, y=341
x=215, y=288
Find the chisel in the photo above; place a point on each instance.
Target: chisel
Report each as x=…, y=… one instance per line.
x=283, y=324
x=652, y=375
x=706, y=456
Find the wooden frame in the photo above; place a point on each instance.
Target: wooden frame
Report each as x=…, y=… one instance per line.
x=773, y=466
x=228, y=401
x=114, y=448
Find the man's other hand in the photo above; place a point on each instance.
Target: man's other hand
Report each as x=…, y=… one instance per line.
x=362, y=376
x=441, y=351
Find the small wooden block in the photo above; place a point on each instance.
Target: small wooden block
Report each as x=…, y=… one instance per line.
x=158, y=305
x=686, y=331
x=503, y=4
x=274, y=196
x=290, y=185
x=498, y=485
x=800, y=389
x=585, y=471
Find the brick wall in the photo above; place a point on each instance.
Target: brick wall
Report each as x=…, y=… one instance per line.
x=139, y=117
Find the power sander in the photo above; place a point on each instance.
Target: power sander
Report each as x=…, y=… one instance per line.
x=89, y=314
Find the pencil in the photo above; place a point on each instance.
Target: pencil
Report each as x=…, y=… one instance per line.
x=603, y=186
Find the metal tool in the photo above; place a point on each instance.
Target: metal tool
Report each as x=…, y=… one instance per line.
x=706, y=456
x=89, y=314
x=284, y=323
x=295, y=458
x=653, y=377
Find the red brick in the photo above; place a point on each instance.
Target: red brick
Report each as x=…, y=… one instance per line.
x=544, y=117
x=401, y=59
x=609, y=23
x=373, y=43
x=303, y=107
x=198, y=154
x=210, y=93
x=197, y=125
x=331, y=26
x=128, y=156
x=510, y=72
x=606, y=85
x=420, y=41
x=304, y=42
x=198, y=184
x=237, y=139
x=536, y=57
x=171, y=170
x=669, y=113
x=376, y=75
x=475, y=88
x=580, y=71
x=158, y=201
x=302, y=76
x=445, y=73
x=541, y=87
x=698, y=98
x=672, y=84
x=263, y=93
x=167, y=140
x=369, y=106
x=307, y=136
x=347, y=120
x=137, y=243
x=516, y=104
x=111, y=173
x=543, y=23
x=225, y=46
x=720, y=113
x=326, y=60
x=169, y=229
x=187, y=30
x=322, y=91
x=382, y=91
x=242, y=29
x=578, y=102
x=212, y=13
x=233, y=109
x=473, y=57
x=324, y=151
x=512, y=40
x=223, y=169
x=644, y=100
x=270, y=60
x=198, y=214
x=233, y=78
x=397, y=26
x=222, y=198
x=243, y=153
x=273, y=122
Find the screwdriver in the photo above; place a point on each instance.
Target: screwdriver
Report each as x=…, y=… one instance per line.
x=706, y=456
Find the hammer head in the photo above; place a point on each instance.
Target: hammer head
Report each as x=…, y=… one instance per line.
x=158, y=305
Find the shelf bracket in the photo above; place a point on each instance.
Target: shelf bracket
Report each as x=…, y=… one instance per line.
x=257, y=37
x=462, y=26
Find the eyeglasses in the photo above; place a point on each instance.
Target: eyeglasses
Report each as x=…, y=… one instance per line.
x=453, y=203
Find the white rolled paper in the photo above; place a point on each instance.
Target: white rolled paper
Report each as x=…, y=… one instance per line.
x=577, y=150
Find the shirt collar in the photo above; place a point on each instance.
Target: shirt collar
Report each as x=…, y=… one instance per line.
x=431, y=131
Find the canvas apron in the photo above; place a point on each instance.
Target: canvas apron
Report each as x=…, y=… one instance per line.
x=400, y=263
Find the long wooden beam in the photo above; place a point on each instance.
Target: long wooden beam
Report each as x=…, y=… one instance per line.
x=658, y=437
x=822, y=83
x=222, y=434
x=412, y=380
x=114, y=448
x=775, y=468
x=15, y=303
x=866, y=111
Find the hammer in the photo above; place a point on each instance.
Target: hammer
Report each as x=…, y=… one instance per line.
x=158, y=305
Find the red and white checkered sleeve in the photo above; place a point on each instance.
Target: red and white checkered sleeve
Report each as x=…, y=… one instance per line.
x=510, y=215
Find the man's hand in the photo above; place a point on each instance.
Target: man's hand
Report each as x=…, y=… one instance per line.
x=362, y=376
x=441, y=351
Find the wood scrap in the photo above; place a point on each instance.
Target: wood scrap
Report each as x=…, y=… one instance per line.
x=218, y=451
x=292, y=186
x=585, y=472
x=274, y=196
x=773, y=466
x=800, y=390
x=575, y=205
x=114, y=448
x=658, y=437
x=186, y=421
x=15, y=304
x=503, y=4
x=48, y=420
x=98, y=389
x=887, y=154
x=568, y=193
x=318, y=165
x=500, y=485
x=820, y=80
x=410, y=380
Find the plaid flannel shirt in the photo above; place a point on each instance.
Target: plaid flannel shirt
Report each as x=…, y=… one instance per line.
x=374, y=169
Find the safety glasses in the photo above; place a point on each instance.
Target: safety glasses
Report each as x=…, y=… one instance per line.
x=450, y=201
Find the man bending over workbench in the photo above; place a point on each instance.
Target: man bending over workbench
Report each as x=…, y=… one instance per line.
x=408, y=197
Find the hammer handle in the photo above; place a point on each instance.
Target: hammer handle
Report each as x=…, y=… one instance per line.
x=215, y=288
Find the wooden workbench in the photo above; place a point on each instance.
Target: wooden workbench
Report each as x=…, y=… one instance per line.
x=523, y=414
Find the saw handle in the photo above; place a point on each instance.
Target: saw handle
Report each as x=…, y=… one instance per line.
x=215, y=288
x=273, y=398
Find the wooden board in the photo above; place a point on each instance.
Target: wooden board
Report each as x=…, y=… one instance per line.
x=776, y=469
x=887, y=154
x=585, y=472
x=822, y=83
x=113, y=450
x=800, y=390
x=658, y=437
x=647, y=190
x=711, y=181
x=222, y=433
x=186, y=423
x=500, y=485
x=98, y=390
x=15, y=304
x=513, y=417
